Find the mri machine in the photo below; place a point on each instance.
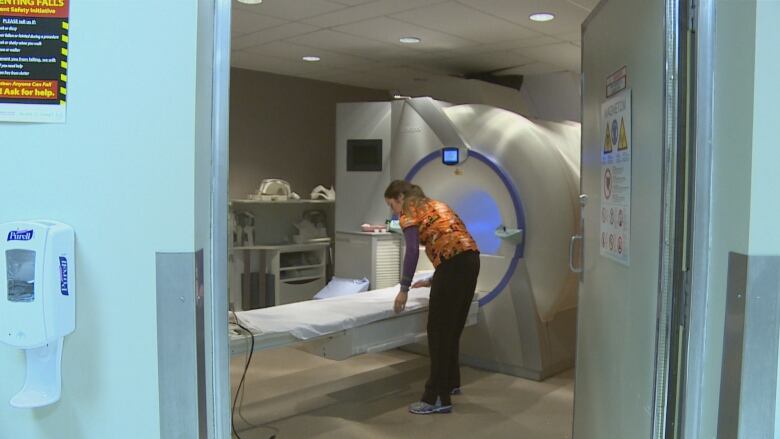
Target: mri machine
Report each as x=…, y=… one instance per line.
x=515, y=183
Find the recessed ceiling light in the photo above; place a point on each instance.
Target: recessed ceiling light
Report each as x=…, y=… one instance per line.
x=311, y=58
x=410, y=40
x=542, y=16
x=251, y=2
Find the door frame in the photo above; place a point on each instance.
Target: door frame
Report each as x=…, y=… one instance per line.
x=217, y=342
x=703, y=16
x=693, y=307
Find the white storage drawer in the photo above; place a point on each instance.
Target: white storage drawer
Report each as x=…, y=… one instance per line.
x=298, y=291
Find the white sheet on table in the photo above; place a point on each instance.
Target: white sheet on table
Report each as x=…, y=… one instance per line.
x=313, y=318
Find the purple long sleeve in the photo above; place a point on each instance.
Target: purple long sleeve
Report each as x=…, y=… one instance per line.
x=412, y=237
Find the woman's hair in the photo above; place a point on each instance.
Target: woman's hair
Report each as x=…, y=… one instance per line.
x=413, y=194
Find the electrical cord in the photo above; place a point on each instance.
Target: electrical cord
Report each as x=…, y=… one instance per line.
x=239, y=390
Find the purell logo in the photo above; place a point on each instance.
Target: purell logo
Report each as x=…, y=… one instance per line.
x=63, y=276
x=20, y=235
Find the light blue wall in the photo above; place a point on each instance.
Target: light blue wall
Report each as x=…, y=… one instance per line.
x=765, y=201
x=121, y=172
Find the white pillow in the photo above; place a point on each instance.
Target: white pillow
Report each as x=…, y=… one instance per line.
x=420, y=275
x=338, y=287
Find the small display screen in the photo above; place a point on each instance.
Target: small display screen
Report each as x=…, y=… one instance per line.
x=20, y=270
x=450, y=156
x=364, y=155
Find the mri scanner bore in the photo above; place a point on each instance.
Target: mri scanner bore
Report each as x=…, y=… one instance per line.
x=515, y=184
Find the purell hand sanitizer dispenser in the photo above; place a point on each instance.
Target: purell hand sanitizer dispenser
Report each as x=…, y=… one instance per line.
x=37, y=302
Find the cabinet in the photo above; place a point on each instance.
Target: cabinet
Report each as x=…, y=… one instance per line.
x=288, y=273
x=266, y=266
x=376, y=256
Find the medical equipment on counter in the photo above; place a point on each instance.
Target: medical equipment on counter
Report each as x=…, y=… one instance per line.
x=394, y=226
x=37, y=303
x=272, y=189
x=312, y=228
x=245, y=229
x=321, y=192
x=374, y=228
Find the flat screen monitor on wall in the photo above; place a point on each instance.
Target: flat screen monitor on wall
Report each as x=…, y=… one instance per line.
x=364, y=155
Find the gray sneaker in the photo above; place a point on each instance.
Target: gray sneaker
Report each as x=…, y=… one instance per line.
x=423, y=408
x=456, y=391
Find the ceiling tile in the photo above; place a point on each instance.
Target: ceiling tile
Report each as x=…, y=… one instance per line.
x=572, y=37
x=466, y=22
x=272, y=34
x=247, y=22
x=496, y=47
x=349, y=44
x=351, y=2
x=533, y=69
x=565, y=55
x=292, y=10
x=483, y=63
x=294, y=53
x=587, y=5
x=366, y=11
x=568, y=17
x=263, y=63
x=360, y=45
x=389, y=31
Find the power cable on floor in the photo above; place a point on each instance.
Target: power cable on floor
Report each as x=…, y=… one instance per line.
x=240, y=389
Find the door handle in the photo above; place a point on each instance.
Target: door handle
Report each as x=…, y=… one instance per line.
x=574, y=239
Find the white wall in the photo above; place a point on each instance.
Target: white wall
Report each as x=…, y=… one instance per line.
x=285, y=127
x=121, y=172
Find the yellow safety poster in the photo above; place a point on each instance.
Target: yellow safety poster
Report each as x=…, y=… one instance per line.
x=33, y=60
x=616, y=178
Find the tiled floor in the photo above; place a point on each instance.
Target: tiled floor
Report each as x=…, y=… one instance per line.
x=303, y=396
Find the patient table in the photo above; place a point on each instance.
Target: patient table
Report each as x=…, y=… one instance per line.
x=340, y=327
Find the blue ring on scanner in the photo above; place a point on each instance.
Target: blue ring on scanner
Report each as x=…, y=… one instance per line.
x=517, y=204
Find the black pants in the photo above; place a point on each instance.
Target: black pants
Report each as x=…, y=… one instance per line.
x=452, y=290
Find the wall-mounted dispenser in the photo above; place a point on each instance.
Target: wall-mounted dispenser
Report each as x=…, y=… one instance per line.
x=37, y=302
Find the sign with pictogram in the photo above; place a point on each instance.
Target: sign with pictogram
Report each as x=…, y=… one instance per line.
x=33, y=60
x=616, y=178
x=623, y=144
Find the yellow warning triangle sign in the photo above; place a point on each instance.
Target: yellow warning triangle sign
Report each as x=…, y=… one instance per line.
x=607, y=142
x=623, y=144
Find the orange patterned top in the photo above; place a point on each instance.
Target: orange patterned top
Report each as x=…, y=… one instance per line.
x=442, y=232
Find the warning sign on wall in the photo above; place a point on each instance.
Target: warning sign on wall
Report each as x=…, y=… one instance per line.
x=616, y=178
x=33, y=60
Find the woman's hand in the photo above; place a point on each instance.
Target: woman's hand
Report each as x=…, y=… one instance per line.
x=423, y=283
x=400, y=301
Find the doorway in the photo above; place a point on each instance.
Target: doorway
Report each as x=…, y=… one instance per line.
x=648, y=378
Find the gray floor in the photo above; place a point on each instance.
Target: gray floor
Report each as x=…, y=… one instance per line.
x=304, y=396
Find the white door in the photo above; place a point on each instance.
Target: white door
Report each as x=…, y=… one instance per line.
x=622, y=220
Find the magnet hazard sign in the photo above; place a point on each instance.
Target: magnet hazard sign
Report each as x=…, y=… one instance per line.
x=616, y=178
